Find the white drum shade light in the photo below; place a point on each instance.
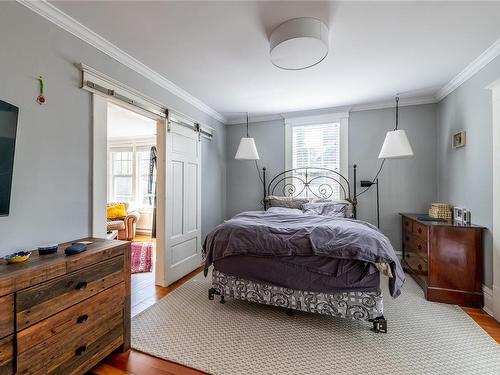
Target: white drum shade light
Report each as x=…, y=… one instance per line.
x=396, y=144
x=299, y=43
x=246, y=149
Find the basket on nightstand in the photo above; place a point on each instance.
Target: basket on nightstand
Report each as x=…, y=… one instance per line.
x=440, y=210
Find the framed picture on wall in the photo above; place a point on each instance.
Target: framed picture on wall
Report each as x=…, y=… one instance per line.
x=459, y=139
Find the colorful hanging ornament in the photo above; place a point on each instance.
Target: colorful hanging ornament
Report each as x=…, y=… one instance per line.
x=40, y=99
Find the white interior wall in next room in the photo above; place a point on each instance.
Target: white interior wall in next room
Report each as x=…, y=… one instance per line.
x=407, y=185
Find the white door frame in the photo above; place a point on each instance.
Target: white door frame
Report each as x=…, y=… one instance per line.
x=100, y=175
x=495, y=91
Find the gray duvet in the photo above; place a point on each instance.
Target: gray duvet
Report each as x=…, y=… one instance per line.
x=277, y=234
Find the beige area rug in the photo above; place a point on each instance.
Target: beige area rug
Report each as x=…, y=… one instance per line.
x=247, y=338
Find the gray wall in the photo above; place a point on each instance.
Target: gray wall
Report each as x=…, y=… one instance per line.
x=406, y=185
x=465, y=174
x=51, y=186
x=244, y=189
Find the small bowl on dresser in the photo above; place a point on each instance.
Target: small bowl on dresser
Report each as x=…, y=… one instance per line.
x=48, y=249
x=19, y=257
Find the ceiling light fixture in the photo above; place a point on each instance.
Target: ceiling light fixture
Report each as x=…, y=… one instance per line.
x=299, y=43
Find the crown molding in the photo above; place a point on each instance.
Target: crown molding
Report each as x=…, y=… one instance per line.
x=69, y=24
x=254, y=119
x=344, y=110
x=480, y=62
x=403, y=102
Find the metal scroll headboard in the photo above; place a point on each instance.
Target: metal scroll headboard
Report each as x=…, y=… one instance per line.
x=311, y=182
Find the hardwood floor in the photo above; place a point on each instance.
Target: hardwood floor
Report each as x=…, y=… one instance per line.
x=145, y=294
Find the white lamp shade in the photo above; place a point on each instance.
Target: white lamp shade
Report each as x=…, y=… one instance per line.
x=396, y=145
x=247, y=150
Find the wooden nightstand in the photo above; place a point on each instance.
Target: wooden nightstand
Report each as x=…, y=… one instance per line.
x=445, y=259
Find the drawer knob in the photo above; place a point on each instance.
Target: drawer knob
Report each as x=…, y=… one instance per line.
x=82, y=319
x=420, y=267
x=82, y=349
x=408, y=256
x=419, y=230
x=419, y=247
x=82, y=285
x=407, y=223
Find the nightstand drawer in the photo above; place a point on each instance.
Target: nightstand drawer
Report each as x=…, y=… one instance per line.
x=6, y=315
x=39, y=302
x=6, y=356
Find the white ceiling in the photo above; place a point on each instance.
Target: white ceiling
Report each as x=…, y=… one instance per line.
x=123, y=123
x=219, y=51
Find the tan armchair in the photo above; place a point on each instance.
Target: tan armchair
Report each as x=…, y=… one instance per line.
x=126, y=226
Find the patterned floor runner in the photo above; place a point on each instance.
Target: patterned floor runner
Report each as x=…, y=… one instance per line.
x=141, y=254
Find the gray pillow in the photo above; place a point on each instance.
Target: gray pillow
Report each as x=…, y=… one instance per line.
x=349, y=208
x=331, y=209
x=288, y=202
x=285, y=210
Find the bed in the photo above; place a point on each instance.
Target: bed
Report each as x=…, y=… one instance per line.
x=305, y=251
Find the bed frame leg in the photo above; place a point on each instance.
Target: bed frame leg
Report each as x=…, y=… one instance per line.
x=289, y=312
x=379, y=324
x=212, y=292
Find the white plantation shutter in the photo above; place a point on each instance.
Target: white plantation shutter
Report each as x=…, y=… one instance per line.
x=318, y=142
x=316, y=146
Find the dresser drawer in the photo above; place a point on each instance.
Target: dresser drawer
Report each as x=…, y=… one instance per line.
x=6, y=355
x=74, y=321
x=73, y=353
x=48, y=298
x=414, y=244
x=417, y=264
x=407, y=224
x=6, y=315
x=420, y=231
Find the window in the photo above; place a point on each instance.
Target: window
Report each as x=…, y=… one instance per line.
x=129, y=174
x=122, y=175
x=316, y=146
x=317, y=142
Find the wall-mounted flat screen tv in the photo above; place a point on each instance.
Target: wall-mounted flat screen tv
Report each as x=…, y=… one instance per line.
x=8, y=128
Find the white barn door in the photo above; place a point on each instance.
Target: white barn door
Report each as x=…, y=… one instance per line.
x=183, y=195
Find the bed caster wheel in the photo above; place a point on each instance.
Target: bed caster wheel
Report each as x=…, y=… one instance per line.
x=222, y=300
x=211, y=293
x=379, y=324
x=289, y=312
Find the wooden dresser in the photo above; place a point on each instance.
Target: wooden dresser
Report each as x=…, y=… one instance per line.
x=63, y=314
x=445, y=259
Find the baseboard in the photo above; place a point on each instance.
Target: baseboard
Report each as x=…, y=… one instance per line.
x=488, y=300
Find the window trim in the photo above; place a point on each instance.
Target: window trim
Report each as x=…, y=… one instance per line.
x=340, y=117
